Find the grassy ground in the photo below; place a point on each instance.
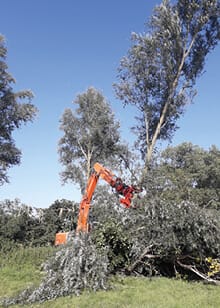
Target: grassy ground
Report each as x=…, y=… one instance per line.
x=22, y=269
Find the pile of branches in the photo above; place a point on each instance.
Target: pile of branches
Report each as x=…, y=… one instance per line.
x=174, y=240
x=74, y=268
x=160, y=238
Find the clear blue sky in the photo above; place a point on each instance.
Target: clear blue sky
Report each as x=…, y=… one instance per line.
x=60, y=48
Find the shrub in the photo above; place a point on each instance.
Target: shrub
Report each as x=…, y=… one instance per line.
x=111, y=235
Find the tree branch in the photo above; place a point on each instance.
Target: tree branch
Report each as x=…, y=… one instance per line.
x=201, y=275
x=145, y=254
x=82, y=150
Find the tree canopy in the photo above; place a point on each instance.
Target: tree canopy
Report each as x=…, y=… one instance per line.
x=160, y=70
x=91, y=134
x=13, y=113
x=190, y=172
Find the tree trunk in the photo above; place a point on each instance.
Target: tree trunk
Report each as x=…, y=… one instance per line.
x=89, y=156
x=151, y=144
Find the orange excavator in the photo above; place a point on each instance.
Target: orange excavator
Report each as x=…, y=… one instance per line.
x=126, y=192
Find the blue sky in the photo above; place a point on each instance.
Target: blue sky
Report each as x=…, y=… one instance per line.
x=60, y=48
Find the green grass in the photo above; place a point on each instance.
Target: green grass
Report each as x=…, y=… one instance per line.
x=22, y=269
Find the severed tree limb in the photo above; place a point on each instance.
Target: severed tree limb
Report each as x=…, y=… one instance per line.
x=145, y=254
x=194, y=270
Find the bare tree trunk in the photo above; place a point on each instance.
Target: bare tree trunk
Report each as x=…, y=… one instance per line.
x=89, y=158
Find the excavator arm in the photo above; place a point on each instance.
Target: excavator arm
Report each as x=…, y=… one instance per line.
x=121, y=188
x=82, y=224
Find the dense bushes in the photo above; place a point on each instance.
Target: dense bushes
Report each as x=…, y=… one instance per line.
x=111, y=235
x=28, y=226
x=187, y=172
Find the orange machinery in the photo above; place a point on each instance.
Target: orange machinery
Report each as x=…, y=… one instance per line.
x=121, y=188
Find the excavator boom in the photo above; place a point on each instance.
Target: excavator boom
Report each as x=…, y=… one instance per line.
x=120, y=187
x=116, y=183
x=84, y=207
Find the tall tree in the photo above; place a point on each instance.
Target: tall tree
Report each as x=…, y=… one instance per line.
x=160, y=70
x=13, y=112
x=91, y=134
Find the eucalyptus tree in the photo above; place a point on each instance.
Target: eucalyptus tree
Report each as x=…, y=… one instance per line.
x=90, y=134
x=160, y=70
x=13, y=112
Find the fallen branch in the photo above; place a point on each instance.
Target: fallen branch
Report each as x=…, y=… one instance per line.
x=201, y=275
x=145, y=254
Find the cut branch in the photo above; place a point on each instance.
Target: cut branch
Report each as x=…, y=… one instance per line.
x=201, y=275
x=145, y=254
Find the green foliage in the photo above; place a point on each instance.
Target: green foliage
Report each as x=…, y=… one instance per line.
x=90, y=134
x=12, y=114
x=188, y=172
x=178, y=228
x=16, y=223
x=60, y=216
x=164, y=233
x=155, y=236
x=111, y=234
x=161, y=67
x=23, y=225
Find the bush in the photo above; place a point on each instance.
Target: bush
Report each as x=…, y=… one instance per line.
x=111, y=235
